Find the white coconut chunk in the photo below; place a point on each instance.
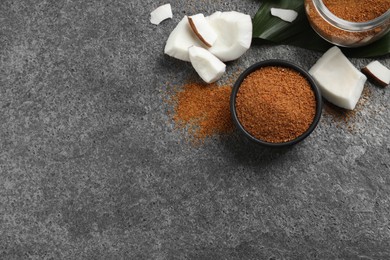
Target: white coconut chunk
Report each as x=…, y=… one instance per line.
x=234, y=31
x=202, y=29
x=339, y=81
x=180, y=39
x=234, y=36
x=284, y=14
x=378, y=73
x=208, y=67
x=160, y=14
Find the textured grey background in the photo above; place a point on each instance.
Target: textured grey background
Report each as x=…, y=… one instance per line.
x=91, y=166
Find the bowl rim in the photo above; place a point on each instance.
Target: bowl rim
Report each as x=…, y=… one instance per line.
x=276, y=63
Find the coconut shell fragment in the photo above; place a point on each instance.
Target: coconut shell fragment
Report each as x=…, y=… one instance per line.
x=377, y=73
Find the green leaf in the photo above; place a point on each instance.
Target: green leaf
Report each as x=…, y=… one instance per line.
x=270, y=29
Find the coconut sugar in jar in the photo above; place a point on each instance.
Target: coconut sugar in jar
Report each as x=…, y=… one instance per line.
x=349, y=23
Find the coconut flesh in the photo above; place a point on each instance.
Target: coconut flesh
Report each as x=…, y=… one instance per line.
x=234, y=36
x=224, y=36
x=234, y=32
x=201, y=27
x=181, y=38
x=378, y=73
x=339, y=81
x=160, y=14
x=208, y=67
x=284, y=14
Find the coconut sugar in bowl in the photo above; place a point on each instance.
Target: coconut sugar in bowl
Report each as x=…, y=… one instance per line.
x=275, y=103
x=349, y=23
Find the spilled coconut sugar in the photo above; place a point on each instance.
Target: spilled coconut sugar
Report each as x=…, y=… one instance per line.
x=344, y=118
x=203, y=109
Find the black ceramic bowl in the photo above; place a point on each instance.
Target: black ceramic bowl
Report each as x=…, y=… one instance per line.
x=277, y=63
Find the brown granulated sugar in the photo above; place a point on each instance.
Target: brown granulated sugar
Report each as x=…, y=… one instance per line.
x=349, y=10
x=275, y=104
x=203, y=109
x=357, y=10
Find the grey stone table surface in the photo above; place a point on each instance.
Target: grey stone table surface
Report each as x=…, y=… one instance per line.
x=92, y=167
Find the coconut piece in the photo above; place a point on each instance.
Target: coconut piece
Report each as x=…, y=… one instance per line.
x=180, y=39
x=208, y=67
x=160, y=14
x=202, y=29
x=284, y=14
x=234, y=31
x=234, y=36
x=339, y=81
x=378, y=73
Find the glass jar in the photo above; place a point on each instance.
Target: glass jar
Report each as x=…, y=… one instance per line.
x=342, y=32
